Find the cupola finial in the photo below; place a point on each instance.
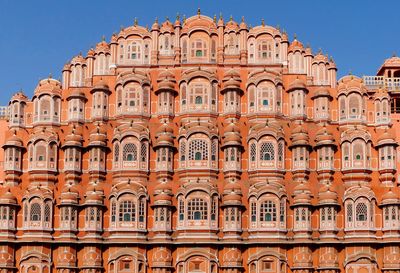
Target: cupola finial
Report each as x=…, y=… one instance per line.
x=263, y=22
x=178, y=17
x=103, y=38
x=198, y=11
x=135, y=23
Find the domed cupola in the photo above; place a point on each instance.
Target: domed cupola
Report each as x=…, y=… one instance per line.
x=100, y=97
x=231, y=91
x=93, y=204
x=328, y=205
x=8, y=207
x=97, y=151
x=232, y=206
x=297, y=97
x=386, y=146
x=16, y=108
x=13, y=148
x=390, y=205
x=47, y=102
x=302, y=209
x=164, y=146
x=166, y=92
x=295, y=45
x=73, y=150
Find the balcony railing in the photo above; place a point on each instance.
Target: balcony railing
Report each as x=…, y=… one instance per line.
x=375, y=82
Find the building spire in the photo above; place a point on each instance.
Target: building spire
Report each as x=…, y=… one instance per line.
x=263, y=22
x=198, y=11
x=135, y=23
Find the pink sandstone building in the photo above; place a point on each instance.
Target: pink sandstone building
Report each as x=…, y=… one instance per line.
x=203, y=146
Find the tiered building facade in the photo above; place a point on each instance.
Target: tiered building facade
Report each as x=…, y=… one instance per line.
x=202, y=146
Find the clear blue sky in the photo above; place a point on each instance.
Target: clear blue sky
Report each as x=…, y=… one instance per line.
x=37, y=37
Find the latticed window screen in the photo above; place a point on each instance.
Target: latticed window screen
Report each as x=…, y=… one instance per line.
x=253, y=211
x=36, y=212
x=181, y=209
x=129, y=152
x=197, y=209
x=361, y=212
x=252, y=152
x=113, y=211
x=267, y=152
x=143, y=152
x=183, y=150
x=282, y=211
x=198, y=147
x=127, y=211
x=47, y=213
x=349, y=208
x=141, y=210
x=214, y=149
x=268, y=211
x=280, y=151
x=116, y=152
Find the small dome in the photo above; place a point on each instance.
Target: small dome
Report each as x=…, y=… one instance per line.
x=327, y=196
x=390, y=197
x=302, y=194
x=321, y=92
x=231, y=26
x=387, y=138
x=14, y=141
x=167, y=26
x=165, y=135
x=320, y=58
x=100, y=86
x=295, y=45
x=94, y=195
x=76, y=93
x=19, y=96
x=232, y=194
x=324, y=137
x=296, y=85
x=8, y=198
x=69, y=195
x=48, y=86
x=243, y=24
x=73, y=138
x=300, y=136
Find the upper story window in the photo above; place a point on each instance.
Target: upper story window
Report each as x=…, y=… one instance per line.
x=68, y=218
x=382, y=114
x=327, y=218
x=262, y=50
x=266, y=153
x=76, y=110
x=93, y=218
x=231, y=42
x=391, y=217
x=263, y=98
x=199, y=49
x=325, y=158
x=100, y=104
x=352, y=107
x=47, y=109
x=17, y=113
x=359, y=214
x=296, y=63
x=131, y=154
x=199, y=95
x=78, y=72
x=133, y=99
x=321, y=108
x=198, y=152
x=37, y=214
x=387, y=157
x=72, y=158
x=298, y=103
x=97, y=158
x=134, y=52
x=166, y=44
x=128, y=212
x=302, y=218
x=7, y=217
x=42, y=155
x=12, y=158
x=356, y=155
x=198, y=210
x=102, y=64
x=267, y=213
x=300, y=158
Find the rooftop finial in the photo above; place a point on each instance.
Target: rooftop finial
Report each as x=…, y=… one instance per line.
x=220, y=16
x=278, y=27
x=121, y=28
x=103, y=38
x=50, y=75
x=198, y=11
x=350, y=73
x=178, y=17
x=231, y=18
x=184, y=18
x=263, y=22
x=135, y=23
x=215, y=18
x=394, y=54
x=167, y=18
x=295, y=36
x=319, y=50
x=242, y=19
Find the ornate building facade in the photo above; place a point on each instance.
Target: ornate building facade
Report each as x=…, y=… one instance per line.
x=202, y=146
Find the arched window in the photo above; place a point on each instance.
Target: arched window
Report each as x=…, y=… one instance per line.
x=197, y=209
x=130, y=152
x=267, y=151
x=198, y=149
x=355, y=106
x=268, y=211
x=36, y=212
x=361, y=212
x=127, y=211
